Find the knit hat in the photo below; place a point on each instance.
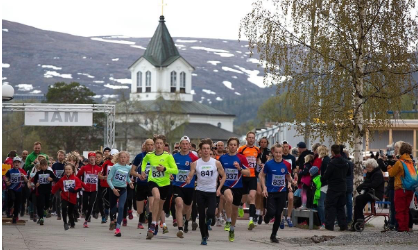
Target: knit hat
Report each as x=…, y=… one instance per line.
x=314, y=170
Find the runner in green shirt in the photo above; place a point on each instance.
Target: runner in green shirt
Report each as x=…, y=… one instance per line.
x=162, y=165
x=31, y=158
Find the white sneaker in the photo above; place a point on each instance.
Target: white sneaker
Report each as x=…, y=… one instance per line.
x=218, y=222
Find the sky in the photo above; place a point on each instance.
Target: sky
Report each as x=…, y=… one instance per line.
x=133, y=18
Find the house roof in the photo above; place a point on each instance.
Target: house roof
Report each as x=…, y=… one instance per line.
x=203, y=130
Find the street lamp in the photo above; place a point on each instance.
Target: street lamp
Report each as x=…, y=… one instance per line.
x=7, y=92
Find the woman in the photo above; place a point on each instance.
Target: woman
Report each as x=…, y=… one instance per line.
x=259, y=198
x=373, y=186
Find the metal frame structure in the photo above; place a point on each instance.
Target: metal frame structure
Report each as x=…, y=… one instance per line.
x=109, y=110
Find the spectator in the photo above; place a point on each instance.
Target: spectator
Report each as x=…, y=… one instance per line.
x=336, y=174
x=31, y=160
x=350, y=183
x=302, y=153
x=323, y=154
x=9, y=160
x=306, y=179
x=373, y=186
x=24, y=156
x=403, y=197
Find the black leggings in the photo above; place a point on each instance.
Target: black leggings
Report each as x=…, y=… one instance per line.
x=169, y=204
x=194, y=208
x=67, y=208
x=275, y=204
x=205, y=200
x=128, y=203
x=42, y=202
x=89, y=198
x=14, y=200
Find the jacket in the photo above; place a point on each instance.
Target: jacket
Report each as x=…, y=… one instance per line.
x=316, y=188
x=301, y=159
x=350, y=178
x=323, y=168
x=63, y=185
x=90, y=177
x=397, y=170
x=30, y=159
x=336, y=174
x=374, y=180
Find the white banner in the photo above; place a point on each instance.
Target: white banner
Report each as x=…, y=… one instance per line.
x=58, y=118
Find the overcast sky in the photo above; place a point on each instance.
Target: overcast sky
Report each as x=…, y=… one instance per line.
x=135, y=18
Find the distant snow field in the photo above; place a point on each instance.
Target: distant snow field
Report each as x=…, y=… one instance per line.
x=112, y=41
x=237, y=93
x=138, y=46
x=35, y=92
x=50, y=74
x=24, y=87
x=115, y=86
x=209, y=92
x=57, y=57
x=85, y=74
x=5, y=30
x=84, y=57
x=231, y=69
x=228, y=85
x=220, y=52
x=4, y=78
x=215, y=70
x=192, y=92
x=123, y=81
x=219, y=99
x=235, y=77
x=51, y=67
x=180, y=45
x=115, y=59
x=98, y=81
x=5, y=65
x=213, y=62
x=193, y=74
x=185, y=41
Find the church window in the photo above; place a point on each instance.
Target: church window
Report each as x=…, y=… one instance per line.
x=148, y=81
x=182, y=82
x=173, y=81
x=219, y=125
x=139, y=82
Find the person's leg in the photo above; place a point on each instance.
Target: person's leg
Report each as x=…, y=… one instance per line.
x=64, y=208
x=18, y=199
x=122, y=199
x=321, y=207
x=70, y=214
x=113, y=206
x=361, y=201
x=179, y=212
x=40, y=205
x=92, y=202
x=341, y=216
x=331, y=210
x=156, y=206
x=85, y=205
x=349, y=206
x=201, y=201
x=279, y=200
x=10, y=201
x=304, y=196
x=392, y=212
x=58, y=203
x=289, y=207
x=228, y=204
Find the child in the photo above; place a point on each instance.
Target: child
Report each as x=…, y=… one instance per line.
x=316, y=190
x=13, y=181
x=42, y=180
x=305, y=179
x=117, y=179
x=69, y=185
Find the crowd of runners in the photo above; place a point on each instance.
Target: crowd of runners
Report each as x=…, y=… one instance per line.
x=210, y=182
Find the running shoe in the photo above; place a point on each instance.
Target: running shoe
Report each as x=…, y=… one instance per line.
x=66, y=227
x=14, y=220
x=104, y=220
x=204, y=242
x=218, y=222
x=227, y=226
x=273, y=239
x=35, y=218
x=180, y=234
x=231, y=236
x=130, y=215
x=156, y=231
x=118, y=233
x=85, y=225
x=41, y=221
x=112, y=225
x=174, y=223
x=208, y=223
x=194, y=226
x=161, y=224
x=251, y=225
x=272, y=220
x=165, y=229
x=151, y=232
x=240, y=212
x=289, y=222
x=260, y=220
x=95, y=215
x=140, y=226
x=186, y=226
x=125, y=222
x=282, y=223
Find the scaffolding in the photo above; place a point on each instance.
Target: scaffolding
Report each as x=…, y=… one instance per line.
x=108, y=110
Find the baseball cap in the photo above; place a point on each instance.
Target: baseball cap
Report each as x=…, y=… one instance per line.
x=185, y=138
x=17, y=158
x=301, y=145
x=91, y=154
x=114, y=151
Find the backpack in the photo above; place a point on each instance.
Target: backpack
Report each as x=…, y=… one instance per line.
x=410, y=179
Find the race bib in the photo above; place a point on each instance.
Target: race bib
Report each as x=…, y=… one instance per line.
x=278, y=180
x=182, y=175
x=231, y=174
x=252, y=161
x=156, y=173
x=68, y=184
x=43, y=179
x=91, y=178
x=59, y=173
x=121, y=175
x=15, y=178
x=108, y=169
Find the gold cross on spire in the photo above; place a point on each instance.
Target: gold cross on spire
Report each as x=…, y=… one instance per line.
x=162, y=7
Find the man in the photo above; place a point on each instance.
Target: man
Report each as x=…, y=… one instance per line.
x=336, y=175
x=24, y=156
x=31, y=159
x=25, y=188
x=142, y=191
x=207, y=170
x=104, y=186
x=249, y=182
x=273, y=180
x=106, y=153
x=90, y=174
x=303, y=151
x=58, y=169
x=235, y=166
x=183, y=192
x=98, y=206
x=220, y=147
x=292, y=160
x=162, y=166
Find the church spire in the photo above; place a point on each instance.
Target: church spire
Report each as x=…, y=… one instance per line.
x=161, y=50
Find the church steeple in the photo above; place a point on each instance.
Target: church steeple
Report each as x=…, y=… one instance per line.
x=161, y=50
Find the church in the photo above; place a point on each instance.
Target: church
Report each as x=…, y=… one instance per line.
x=161, y=100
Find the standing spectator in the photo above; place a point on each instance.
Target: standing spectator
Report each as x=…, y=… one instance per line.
x=323, y=154
x=31, y=160
x=9, y=160
x=303, y=151
x=350, y=183
x=403, y=196
x=24, y=156
x=336, y=175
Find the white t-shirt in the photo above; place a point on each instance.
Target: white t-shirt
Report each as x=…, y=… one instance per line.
x=207, y=175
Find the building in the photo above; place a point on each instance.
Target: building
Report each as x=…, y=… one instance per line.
x=162, y=90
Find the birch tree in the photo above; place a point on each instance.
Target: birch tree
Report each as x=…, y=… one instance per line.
x=347, y=62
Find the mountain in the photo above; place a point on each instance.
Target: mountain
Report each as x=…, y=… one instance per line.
x=226, y=77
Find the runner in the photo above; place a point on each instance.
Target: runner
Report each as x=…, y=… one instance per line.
x=106, y=167
x=90, y=177
x=43, y=180
x=249, y=182
x=220, y=147
x=58, y=168
x=292, y=161
x=117, y=179
x=162, y=164
x=14, y=186
x=235, y=165
x=259, y=198
x=183, y=192
x=207, y=170
x=69, y=185
x=272, y=179
x=98, y=206
x=142, y=191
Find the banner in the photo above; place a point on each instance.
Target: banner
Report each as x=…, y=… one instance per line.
x=4, y=169
x=58, y=118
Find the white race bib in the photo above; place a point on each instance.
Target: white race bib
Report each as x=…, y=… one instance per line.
x=252, y=161
x=43, y=179
x=121, y=175
x=278, y=180
x=182, y=175
x=231, y=174
x=15, y=178
x=156, y=173
x=59, y=173
x=108, y=169
x=68, y=184
x=91, y=178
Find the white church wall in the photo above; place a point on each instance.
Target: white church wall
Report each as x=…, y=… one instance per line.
x=227, y=123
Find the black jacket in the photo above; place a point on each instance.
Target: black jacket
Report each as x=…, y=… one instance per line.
x=324, y=166
x=374, y=180
x=301, y=159
x=350, y=178
x=336, y=174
